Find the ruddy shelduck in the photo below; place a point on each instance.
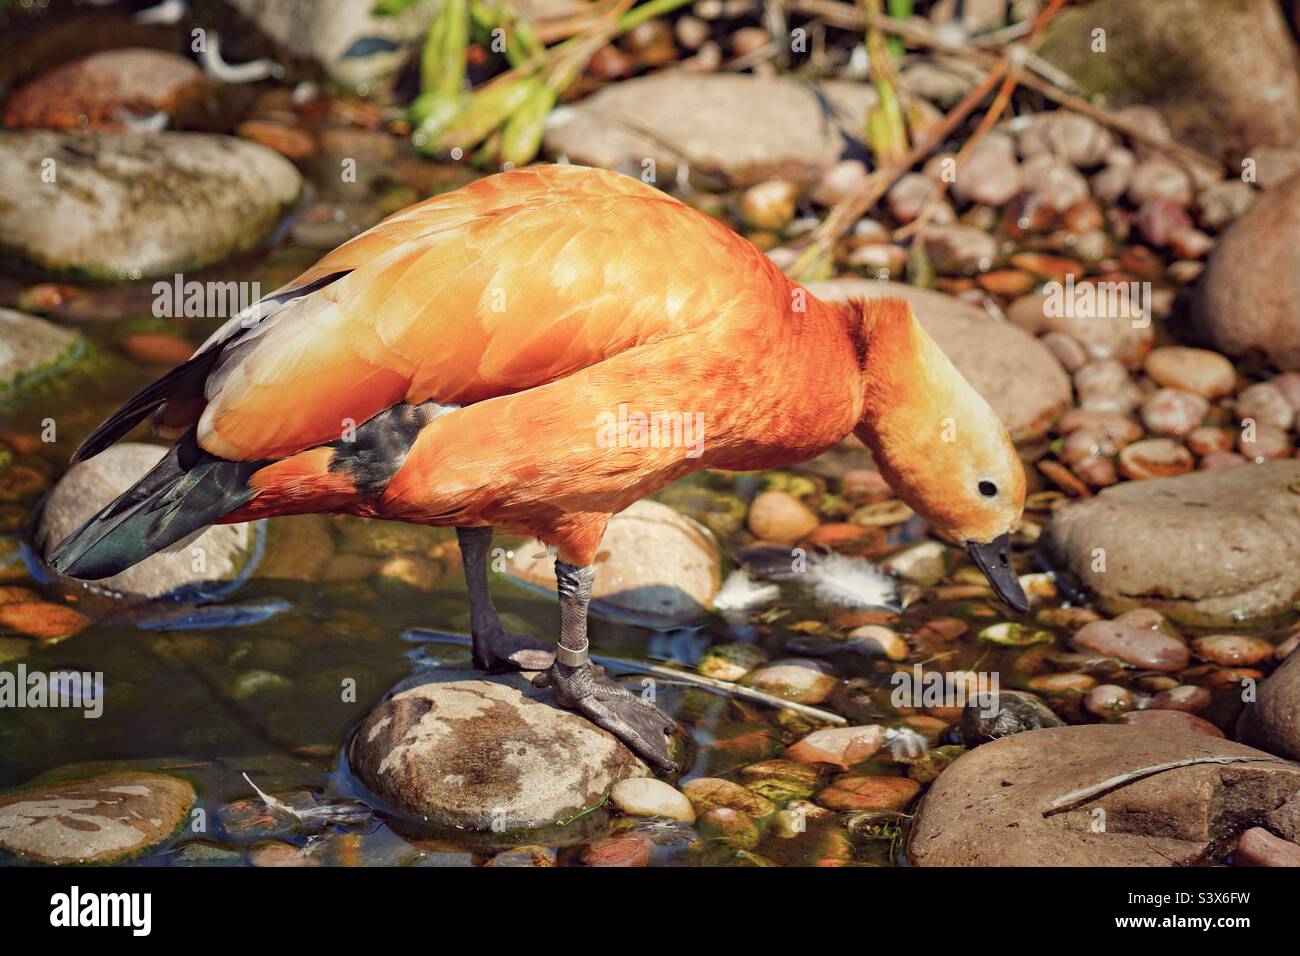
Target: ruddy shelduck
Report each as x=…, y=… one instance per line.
x=458, y=364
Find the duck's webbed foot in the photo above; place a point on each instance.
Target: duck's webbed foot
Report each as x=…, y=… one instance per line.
x=581, y=686
x=584, y=688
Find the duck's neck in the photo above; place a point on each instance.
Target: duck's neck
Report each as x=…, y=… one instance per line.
x=811, y=380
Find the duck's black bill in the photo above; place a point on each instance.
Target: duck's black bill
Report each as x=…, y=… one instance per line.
x=994, y=559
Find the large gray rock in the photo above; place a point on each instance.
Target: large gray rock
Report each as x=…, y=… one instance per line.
x=217, y=554
x=655, y=567
x=351, y=44
x=1247, y=297
x=97, y=820
x=31, y=347
x=485, y=754
x=992, y=806
x=1017, y=374
x=1272, y=721
x=1213, y=548
x=743, y=127
x=1222, y=72
x=135, y=205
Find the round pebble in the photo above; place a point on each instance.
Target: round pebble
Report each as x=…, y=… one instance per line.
x=770, y=205
x=1154, y=458
x=1171, y=411
x=780, y=517
x=1264, y=404
x=1231, y=650
x=648, y=797
x=1185, y=697
x=1207, y=439
x=1107, y=699
x=1200, y=371
x=630, y=850
x=1055, y=685
x=1133, y=645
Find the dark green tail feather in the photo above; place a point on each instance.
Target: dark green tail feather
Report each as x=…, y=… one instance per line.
x=185, y=492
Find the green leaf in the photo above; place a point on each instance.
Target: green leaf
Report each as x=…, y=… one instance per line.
x=391, y=8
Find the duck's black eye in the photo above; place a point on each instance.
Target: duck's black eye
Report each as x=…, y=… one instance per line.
x=988, y=489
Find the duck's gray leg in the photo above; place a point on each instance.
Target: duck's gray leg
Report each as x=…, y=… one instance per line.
x=582, y=686
x=494, y=650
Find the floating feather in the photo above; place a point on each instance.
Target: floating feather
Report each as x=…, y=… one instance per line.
x=740, y=592
x=851, y=582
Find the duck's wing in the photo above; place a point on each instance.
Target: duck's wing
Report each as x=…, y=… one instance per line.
x=515, y=281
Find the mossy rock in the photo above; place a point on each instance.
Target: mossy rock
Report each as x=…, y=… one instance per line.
x=1223, y=73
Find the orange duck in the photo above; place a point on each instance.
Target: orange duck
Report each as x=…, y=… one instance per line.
x=460, y=363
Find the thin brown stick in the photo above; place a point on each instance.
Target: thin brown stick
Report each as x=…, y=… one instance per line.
x=1042, y=78
x=1076, y=798
x=814, y=260
x=724, y=687
x=852, y=208
x=1176, y=150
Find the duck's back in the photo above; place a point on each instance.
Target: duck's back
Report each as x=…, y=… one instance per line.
x=517, y=280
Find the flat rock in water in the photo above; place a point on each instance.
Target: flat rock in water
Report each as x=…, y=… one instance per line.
x=1247, y=297
x=216, y=555
x=103, y=90
x=1272, y=721
x=1212, y=548
x=486, y=753
x=1017, y=374
x=30, y=347
x=97, y=820
x=135, y=205
x=987, y=808
x=746, y=128
x=655, y=567
x=344, y=36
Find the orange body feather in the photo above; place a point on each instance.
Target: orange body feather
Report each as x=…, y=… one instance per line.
x=544, y=301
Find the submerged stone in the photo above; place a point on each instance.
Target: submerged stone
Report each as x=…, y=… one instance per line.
x=98, y=820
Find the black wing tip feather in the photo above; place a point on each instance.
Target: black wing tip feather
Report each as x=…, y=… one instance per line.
x=186, y=491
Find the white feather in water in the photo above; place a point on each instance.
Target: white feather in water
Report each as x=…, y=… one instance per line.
x=851, y=582
x=218, y=69
x=740, y=592
x=169, y=11
x=905, y=744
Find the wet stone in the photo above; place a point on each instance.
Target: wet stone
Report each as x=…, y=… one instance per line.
x=1135, y=646
x=98, y=820
x=850, y=792
x=477, y=752
x=133, y=205
x=1010, y=712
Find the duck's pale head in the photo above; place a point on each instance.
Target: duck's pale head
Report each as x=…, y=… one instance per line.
x=939, y=444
